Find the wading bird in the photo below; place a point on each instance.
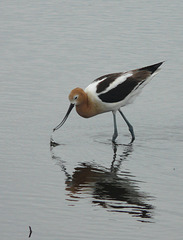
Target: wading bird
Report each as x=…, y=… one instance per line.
x=109, y=93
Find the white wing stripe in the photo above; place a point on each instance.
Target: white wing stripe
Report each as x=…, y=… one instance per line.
x=117, y=81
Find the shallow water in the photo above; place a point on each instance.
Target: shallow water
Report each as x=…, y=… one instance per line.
x=87, y=188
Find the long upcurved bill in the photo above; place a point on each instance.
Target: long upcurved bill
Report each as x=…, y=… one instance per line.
x=65, y=118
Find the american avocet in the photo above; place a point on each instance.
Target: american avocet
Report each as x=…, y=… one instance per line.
x=109, y=93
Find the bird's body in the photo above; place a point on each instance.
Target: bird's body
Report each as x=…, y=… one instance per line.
x=109, y=93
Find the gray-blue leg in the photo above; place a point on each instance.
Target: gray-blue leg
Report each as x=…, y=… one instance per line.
x=130, y=127
x=115, y=134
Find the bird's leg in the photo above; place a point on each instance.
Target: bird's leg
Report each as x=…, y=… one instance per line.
x=130, y=127
x=115, y=134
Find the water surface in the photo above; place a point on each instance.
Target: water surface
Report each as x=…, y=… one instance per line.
x=87, y=188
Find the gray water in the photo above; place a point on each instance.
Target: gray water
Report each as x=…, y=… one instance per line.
x=86, y=188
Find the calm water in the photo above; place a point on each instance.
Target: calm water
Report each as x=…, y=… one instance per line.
x=86, y=188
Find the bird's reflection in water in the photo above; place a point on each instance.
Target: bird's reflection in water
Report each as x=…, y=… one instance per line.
x=111, y=188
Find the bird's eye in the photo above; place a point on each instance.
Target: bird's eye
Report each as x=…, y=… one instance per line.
x=75, y=97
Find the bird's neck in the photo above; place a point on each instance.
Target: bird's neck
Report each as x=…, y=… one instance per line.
x=86, y=109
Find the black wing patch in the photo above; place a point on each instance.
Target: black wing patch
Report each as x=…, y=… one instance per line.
x=122, y=90
x=118, y=93
x=108, y=79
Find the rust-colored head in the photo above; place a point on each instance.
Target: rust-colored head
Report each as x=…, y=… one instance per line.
x=77, y=96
